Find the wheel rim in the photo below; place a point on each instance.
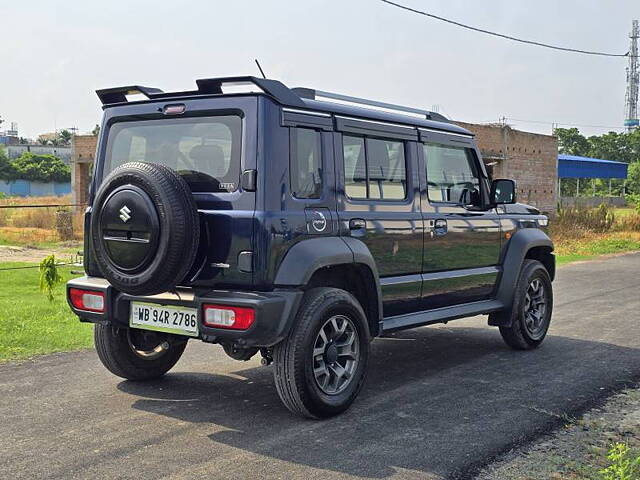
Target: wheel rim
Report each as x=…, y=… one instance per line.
x=335, y=354
x=535, y=308
x=146, y=345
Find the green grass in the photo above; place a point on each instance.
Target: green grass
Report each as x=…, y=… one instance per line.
x=588, y=249
x=623, y=212
x=29, y=323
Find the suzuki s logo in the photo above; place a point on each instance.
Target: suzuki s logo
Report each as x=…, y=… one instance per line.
x=124, y=214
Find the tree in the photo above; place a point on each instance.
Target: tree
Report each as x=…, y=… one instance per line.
x=40, y=168
x=633, y=178
x=571, y=141
x=65, y=137
x=612, y=146
x=7, y=171
x=96, y=130
x=44, y=139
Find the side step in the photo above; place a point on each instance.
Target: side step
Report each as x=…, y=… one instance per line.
x=440, y=315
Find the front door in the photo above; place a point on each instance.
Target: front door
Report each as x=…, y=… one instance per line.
x=379, y=204
x=462, y=235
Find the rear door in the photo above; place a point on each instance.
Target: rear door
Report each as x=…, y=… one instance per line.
x=462, y=235
x=379, y=204
x=211, y=144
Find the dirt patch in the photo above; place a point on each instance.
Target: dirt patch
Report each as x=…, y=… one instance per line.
x=64, y=251
x=578, y=451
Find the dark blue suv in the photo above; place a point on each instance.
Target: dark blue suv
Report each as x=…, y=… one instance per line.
x=299, y=224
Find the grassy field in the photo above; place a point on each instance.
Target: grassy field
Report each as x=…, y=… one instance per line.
x=23, y=223
x=592, y=245
x=29, y=323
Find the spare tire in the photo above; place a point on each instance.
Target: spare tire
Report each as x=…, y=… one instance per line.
x=144, y=228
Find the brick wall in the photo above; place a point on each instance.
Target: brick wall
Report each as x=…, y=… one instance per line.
x=83, y=148
x=531, y=159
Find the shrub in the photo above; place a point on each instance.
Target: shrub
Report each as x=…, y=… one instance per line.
x=37, y=168
x=623, y=465
x=629, y=223
x=597, y=220
x=633, y=200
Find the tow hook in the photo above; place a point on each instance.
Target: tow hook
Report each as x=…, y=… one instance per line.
x=267, y=359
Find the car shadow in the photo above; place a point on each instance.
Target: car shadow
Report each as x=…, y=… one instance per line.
x=437, y=400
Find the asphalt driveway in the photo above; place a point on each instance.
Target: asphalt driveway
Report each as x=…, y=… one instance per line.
x=439, y=402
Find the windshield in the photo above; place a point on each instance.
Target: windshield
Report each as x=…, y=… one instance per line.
x=205, y=151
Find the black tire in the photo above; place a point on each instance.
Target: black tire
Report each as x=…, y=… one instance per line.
x=522, y=335
x=116, y=350
x=294, y=358
x=167, y=214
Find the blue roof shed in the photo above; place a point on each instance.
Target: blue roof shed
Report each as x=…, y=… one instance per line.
x=572, y=166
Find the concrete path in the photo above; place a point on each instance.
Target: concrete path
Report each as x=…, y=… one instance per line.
x=439, y=402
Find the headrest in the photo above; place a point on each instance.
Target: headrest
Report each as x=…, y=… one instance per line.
x=207, y=153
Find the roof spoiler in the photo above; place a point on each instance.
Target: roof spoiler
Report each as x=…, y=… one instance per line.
x=207, y=86
x=294, y=97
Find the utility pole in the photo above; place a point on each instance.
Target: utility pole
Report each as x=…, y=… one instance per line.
x=631, y=121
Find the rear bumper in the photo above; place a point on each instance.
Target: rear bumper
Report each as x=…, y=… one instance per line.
x=275, y=311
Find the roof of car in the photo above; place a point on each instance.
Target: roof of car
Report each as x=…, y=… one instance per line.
x=297, y=98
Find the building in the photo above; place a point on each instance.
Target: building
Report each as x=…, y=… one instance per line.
x=576, y=167
x=531, y=159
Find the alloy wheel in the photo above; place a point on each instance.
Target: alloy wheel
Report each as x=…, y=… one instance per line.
x=535, y=308
x=335, y=354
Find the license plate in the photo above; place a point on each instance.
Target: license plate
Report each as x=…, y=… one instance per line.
x=164, y=318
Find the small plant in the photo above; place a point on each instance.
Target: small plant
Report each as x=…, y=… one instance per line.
x=622, y=465
x=49, y=276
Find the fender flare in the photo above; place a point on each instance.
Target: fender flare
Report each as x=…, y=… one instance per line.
x=307, y=256
x=520, y=243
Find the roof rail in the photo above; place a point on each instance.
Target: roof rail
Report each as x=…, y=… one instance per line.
x=316, y=94
x=206, y=86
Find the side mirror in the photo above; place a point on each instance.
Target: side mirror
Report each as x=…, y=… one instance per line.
x=503, y=191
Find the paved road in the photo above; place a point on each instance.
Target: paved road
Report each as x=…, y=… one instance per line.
x=438, y=403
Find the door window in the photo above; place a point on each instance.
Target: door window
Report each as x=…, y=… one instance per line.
x=374, y=168
x=452, y=175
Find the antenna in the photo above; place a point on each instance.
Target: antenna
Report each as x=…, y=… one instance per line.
x=631, y=121
x=260, y=68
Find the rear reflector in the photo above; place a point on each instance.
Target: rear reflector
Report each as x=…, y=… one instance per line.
x=223, y=316
x=89, y=300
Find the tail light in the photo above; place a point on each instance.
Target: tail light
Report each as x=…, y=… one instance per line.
x=89, y=300
x=233, y=318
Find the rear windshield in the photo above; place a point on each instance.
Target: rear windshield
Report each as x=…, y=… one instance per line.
x=205, y=151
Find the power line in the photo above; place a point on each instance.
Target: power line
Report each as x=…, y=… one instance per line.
x=508, y=37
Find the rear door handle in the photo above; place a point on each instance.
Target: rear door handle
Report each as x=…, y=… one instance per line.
x=440, y=227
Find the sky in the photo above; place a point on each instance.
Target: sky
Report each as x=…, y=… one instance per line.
x=54, y=55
